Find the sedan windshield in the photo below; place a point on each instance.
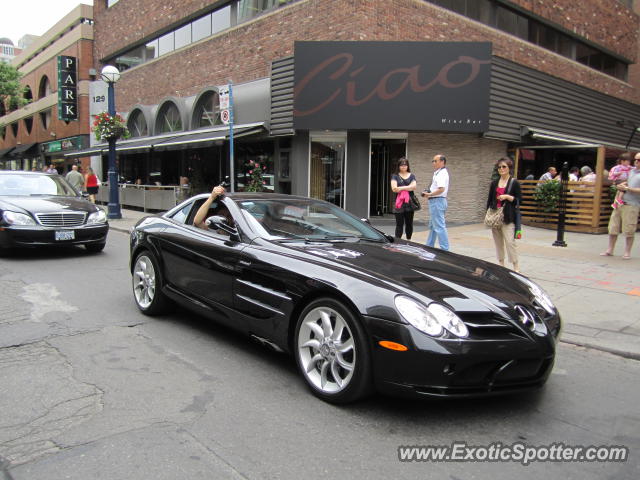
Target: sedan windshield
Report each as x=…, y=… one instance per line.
x=305, y=219
x=35, y=185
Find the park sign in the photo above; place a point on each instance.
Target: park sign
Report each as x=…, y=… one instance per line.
x=423, y=86
x=67, y=88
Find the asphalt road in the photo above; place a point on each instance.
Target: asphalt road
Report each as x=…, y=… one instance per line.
x=90, y=388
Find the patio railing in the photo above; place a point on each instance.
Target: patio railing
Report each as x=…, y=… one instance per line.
x=588, y=209
x=148, y=197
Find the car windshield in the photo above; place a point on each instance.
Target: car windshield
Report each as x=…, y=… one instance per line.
x=306, y=220
x=35, y=185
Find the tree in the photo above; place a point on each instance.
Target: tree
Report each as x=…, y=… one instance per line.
x=11, y=92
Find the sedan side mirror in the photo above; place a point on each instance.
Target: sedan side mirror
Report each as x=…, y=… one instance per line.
x=218, y=222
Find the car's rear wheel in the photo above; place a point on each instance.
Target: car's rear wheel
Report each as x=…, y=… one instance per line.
x=94, y=247
x=332, y=352
x=147, y=285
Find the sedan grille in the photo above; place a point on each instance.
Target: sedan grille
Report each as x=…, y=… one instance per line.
x=62, y=219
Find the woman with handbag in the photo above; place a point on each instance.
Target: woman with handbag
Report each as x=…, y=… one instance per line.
x=503, y=209
x=403, y=184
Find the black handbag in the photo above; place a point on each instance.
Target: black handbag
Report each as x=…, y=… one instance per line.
x=414, y=202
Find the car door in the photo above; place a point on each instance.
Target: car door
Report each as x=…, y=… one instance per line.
x=201, y=264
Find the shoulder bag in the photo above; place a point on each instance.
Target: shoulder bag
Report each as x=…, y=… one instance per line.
x=494, y=218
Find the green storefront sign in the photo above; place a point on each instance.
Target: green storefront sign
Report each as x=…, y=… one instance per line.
x=71, y=143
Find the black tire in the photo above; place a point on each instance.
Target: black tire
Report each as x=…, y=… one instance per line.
x=332, y=352
x=146, y=283
x=95, y=247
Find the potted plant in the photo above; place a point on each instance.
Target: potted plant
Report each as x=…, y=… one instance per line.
x=106, y=127
x=547, y=195
x=256, y=181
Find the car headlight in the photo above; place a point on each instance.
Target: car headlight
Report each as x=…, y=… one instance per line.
x=432, y=320
x=538, y=294
x=15, y=218
x=97, y=217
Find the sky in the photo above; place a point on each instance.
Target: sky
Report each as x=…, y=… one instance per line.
x=35, y=17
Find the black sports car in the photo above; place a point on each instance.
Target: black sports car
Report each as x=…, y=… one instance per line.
x=358, y=309
x=41, y=209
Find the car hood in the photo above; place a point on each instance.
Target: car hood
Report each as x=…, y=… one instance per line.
x=463, y=283
x=46, y=204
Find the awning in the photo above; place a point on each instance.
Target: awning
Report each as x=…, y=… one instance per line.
x=5, y=151
x=205, y=139
x=559, y=139
x=87, y=152
x=173, y=141
x=24, y=149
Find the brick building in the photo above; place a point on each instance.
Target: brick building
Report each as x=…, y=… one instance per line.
x=36, y=134
x=559, y=79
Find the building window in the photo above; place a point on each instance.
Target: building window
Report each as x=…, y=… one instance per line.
x=201, y=28
x=45, y=118
x=137, y=124
x=165, y=43
x=221, y=19
x=168, y=119
x=182, y=36
x=44, y=90
x=28, y=124
x=207, y=112
x=493, y=13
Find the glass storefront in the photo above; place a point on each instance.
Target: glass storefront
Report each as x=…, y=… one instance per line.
x=327, y=169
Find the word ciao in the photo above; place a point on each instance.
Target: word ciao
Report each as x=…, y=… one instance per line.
x=409, y=79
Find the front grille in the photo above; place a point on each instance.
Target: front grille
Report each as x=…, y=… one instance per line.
x=61, y=219
x=488, y=326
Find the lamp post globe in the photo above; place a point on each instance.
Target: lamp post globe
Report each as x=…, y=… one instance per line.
x=111, y=75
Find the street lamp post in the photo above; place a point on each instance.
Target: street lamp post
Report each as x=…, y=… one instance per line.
x=111, y=75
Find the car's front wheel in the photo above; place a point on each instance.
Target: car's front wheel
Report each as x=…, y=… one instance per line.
x=332, y=352
x=147, y=286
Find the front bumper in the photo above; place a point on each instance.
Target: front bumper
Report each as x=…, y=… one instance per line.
x=40, y=236
x=457, y=367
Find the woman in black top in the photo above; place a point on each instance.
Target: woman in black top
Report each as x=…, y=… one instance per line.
x=505, y=192
x=403, y=184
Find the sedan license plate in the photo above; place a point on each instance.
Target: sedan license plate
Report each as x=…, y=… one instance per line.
x=65, y=235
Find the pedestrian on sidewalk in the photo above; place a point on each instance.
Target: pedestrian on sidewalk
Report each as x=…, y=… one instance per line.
x=437, y=196
x=403, y=184
x=92, y=184
x=624, y=219
x=75, y=178
x=505, y=193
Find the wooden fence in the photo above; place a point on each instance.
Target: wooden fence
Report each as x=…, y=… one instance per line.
x=587, y=209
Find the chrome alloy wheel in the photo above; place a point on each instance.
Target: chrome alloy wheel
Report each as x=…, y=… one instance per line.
x=144, y=281
x=326, y=350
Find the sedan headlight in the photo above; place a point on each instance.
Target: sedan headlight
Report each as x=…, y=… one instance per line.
x=432, y=320
x=15, y=218
x=97, y=217
x=543, y=299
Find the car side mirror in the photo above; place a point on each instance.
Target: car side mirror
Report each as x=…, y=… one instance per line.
x=366, y=220
x=218, y=222
x=84, y=195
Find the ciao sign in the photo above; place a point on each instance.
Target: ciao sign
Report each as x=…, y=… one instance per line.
x=392, y=85
x=67, y=88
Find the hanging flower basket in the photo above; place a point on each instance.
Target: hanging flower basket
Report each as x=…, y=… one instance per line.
x=107, y=127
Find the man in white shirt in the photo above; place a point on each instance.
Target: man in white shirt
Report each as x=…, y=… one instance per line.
x=437, y=196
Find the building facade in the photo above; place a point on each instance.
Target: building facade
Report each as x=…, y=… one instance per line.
x=558, y=87
x=55, y=65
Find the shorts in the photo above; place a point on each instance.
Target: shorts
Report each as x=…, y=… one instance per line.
x=92, y=190
x=624, y=219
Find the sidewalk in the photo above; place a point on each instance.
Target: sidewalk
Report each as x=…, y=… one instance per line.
x=598, y=297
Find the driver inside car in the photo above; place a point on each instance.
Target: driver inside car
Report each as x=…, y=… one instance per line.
x=209, y=208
